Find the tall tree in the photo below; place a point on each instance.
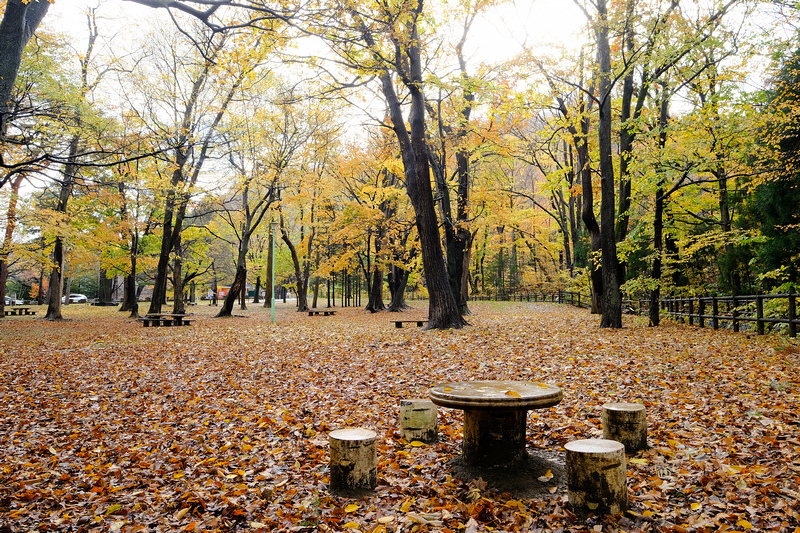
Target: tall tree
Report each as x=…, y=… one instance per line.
x=20, y=20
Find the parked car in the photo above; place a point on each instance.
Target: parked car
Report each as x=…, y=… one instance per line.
x=10, y=301
x=75, y=299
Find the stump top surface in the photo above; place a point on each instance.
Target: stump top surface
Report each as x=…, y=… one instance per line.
x=522, y=395
x=623, y=406
x=595, y=446
x=415, y=401
x=353, y=434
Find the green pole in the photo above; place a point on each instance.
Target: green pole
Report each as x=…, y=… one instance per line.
x=272, y=226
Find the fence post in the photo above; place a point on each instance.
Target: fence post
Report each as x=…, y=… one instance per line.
x=760, y=314
x=701, y=310
x=579, y=300
x=715, y=312
x=792, y=314
x=735, y=313
x=691, y=311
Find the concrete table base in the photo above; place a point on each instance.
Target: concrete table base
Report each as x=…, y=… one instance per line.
x=493, y=438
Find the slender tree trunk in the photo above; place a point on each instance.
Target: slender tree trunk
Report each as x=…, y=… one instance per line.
x=178, y=305
x=654, y=311
x=302, y=292
x=243, y=294
x=105, y=286
x=230, y=299
x=130, y=302
x=68, y=180
x=612, y=299
x=398, y=279
x=215, y=295
x=257, y=296
x=375, y=302
x=5, y=249
x=269, y=295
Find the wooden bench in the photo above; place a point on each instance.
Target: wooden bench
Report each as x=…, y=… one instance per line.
x=165, y=320
x=419, y=323
x=19, y=311
x=323, y=312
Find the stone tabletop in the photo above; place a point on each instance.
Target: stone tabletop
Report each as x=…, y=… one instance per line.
x=521, y=395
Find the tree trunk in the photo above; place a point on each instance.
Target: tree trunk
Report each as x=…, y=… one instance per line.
x=398, y=278
x=375, y=302
x=178, y=305
x=5, y=248
x=104, y=292
x=233, y=293
x=70, y=171
x=269, y=295
x=130, y=301
x=302, y=292
x=443, y=311
x=612, y=299
x=243, y=294
x=654, y=311
x=257, y=295
x=20, y=20
x=54, y=284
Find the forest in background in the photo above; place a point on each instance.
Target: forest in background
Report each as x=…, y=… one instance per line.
x=658, y=156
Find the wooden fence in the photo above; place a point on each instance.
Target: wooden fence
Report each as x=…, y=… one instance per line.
x=565, y=297
x=735, y=310
x=721, y=311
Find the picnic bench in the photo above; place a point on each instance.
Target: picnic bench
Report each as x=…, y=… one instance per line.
x=19, y=311
x=323, y=312
x=165, y=319
x=419, y=323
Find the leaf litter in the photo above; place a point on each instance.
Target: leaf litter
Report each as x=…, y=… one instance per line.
x=107, y=426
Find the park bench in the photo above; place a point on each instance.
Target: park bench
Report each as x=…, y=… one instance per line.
x=19, y=311
x=165, y=319
x=323, y=312
x=419, y=323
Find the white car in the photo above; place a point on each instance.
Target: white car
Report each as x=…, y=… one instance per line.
x=76, y=299
x=9, y=301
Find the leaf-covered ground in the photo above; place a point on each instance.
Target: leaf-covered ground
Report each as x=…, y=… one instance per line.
x=108, y=426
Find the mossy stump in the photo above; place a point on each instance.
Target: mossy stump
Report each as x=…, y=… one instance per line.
x=354, y=461
x=418, y=420
x=596, y=479
x=626, y=423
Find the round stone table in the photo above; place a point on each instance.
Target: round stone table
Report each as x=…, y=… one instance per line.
x=495, y=416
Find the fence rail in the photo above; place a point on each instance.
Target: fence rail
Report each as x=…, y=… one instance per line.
x=730, y=311
x=734, y=310
x=565, y=297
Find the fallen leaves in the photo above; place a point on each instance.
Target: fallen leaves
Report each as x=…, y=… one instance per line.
x=223, y=425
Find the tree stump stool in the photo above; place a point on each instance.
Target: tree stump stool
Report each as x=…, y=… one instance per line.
x=626, y=423
x=418, y=420
x=596, y=476
x=354, y=460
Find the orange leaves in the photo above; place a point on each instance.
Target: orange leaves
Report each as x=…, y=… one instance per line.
x=225, y=426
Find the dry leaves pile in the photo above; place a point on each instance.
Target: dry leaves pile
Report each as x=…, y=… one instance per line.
x=223, y=425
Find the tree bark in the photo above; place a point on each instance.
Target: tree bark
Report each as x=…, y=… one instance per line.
x=398, y=279
x=20, y=20
x=5, y=249
x=443, y=310
x=257, y=295
x=301, y=271
x=654, y=311
x=68, y=180
x=612, y=299
x=375, y=302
